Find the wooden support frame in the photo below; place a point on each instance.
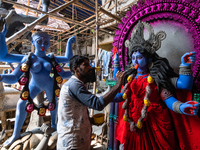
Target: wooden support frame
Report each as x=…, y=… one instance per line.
x=32, y=25
x=110, y=14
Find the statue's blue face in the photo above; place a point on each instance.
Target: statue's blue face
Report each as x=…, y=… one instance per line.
x=41, y=43
x=140, y=60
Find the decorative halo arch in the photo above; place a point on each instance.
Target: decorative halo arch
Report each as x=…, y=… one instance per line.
x=184, y=12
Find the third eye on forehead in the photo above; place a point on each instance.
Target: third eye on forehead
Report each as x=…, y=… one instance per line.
x=40, y=41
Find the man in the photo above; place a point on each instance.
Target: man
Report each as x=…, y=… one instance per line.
x=74, y=127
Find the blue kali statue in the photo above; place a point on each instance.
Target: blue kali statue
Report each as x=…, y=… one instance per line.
x=40, y=66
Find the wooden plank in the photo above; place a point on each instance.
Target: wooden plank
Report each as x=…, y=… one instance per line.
x=32, y=25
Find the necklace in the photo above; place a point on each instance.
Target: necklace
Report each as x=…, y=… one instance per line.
x=142, y=72
x=147, y=103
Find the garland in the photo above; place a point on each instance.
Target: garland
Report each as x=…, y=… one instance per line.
x=25, y=95
x=147, y=103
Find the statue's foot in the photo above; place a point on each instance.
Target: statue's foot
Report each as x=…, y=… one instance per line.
x=11, y=140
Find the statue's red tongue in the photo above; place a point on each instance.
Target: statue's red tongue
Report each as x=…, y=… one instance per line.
x=136, y=66
x=42, y=48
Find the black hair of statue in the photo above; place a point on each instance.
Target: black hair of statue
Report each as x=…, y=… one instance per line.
x=76, y=61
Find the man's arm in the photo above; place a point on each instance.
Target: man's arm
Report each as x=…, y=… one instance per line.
x=78, y=91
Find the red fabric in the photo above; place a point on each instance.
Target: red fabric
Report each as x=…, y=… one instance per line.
x=163, y=129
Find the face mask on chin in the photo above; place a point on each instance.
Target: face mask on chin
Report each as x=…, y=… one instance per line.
x=91, y=78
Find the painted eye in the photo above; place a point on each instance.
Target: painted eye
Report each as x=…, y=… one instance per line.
x=46, y=42
x=133, y=58
x=39, y=42
x=140, y=57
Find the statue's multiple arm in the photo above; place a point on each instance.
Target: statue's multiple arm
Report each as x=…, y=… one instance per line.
x=4, y=56
x=68, y=51
x=185, y=79
x=13, y=77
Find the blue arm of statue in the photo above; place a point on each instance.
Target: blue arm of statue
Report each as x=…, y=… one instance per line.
x=4, y=56
x=186, y=81
x=13, y=77
x=187, y=108
x=118, y=98
x=116, y=65
x=68, y=51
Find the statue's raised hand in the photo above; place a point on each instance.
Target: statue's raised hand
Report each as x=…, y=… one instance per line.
x=188, y=58
x=72, y=39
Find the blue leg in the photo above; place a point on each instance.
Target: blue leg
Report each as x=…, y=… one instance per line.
x=49, y=93
x=20, y=117
x=54, y=117
x=19, y=121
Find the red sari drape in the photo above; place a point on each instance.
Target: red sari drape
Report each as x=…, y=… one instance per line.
x=163, y=129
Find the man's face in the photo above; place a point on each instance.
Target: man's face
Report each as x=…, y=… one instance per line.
x=85, y=70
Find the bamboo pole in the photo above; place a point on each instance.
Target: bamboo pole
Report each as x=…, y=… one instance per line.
x=68, y=9
x=40, y=2
x=100, y=14
x=10, y=49
x=83, y=6
x=83, y=9
x=32, y=25
x=68, y=30
x=96, y=48
x=68, y=20
x=110, y=14
x=27, y=8
x=58, y=29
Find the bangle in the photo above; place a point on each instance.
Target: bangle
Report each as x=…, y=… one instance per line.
x=185, y=70
x=176, y=106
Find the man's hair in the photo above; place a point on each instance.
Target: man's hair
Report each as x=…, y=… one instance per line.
x=76, y=61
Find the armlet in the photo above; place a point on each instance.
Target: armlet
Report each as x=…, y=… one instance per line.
x=165, y=94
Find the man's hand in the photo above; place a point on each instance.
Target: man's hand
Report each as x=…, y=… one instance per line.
x=120, y=77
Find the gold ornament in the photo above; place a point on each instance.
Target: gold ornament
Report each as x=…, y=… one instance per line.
x=59, y=79
x=129, y=78
x=150, y=79
x=42, y=111
x=147, y=102
x=125, y=118
x=57, y=92
x=24, y=67
x=25, y=95
x=139, y=125
x=124, y=96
